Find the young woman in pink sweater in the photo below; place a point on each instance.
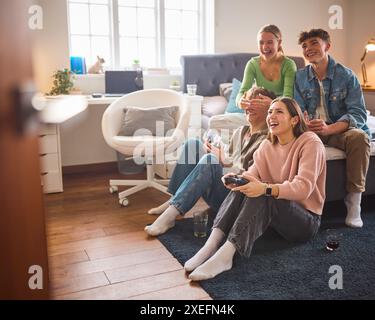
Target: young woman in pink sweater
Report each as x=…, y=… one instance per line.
x=286, y=191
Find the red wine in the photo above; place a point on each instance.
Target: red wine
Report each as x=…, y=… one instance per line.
x=332, y=245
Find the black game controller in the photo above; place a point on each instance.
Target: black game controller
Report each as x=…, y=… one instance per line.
x=238, y=181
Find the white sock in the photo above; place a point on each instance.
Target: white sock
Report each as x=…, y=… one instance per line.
x=164, y=222
x=221, y=261
x=353, y=206
x=158, y=210
x=209, y=248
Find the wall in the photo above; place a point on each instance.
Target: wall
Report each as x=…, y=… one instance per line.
x=51, y=44
x=362, y=28
x=237, y=23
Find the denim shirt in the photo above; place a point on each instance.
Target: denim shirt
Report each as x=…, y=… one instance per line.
x=343, y=94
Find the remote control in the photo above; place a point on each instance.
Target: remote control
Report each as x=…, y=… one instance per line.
x=238, y=181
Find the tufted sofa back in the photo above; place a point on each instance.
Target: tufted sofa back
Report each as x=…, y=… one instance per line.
x=209, y=70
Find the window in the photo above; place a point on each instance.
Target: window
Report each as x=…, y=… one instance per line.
x=89, y=25
x=155, y=32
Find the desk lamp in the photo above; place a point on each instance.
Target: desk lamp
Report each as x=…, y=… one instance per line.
x=370, y=46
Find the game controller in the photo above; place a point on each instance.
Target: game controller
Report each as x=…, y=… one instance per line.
x=236, y=180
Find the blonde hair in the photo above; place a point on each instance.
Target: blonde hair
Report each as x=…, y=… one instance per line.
x=271, y=28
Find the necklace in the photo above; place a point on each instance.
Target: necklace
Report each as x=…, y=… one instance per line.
x=269, y=69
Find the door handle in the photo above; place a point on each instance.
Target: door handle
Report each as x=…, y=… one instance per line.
x=26, y=116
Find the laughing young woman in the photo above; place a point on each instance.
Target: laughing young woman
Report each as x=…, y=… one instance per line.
x=271, y=70
x=200, y=168
x=286, y=191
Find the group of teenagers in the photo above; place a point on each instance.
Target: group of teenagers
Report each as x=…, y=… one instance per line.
x=291, y=115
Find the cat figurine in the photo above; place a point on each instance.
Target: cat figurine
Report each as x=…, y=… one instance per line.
x=97, y=67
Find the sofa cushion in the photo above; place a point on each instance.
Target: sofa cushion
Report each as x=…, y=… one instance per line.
x=232, y=107
x=337, y=154
x=212, y=106
x=143, y=121
x=225, y=90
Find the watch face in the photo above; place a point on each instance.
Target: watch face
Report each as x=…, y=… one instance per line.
x=268, y=191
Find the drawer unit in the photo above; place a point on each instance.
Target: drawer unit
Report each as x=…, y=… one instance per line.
x=50, y=158
x=48, y=144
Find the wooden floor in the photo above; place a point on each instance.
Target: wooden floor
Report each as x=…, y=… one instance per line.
x=98, y=250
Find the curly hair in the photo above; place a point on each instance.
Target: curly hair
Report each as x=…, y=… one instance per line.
x=313, y=33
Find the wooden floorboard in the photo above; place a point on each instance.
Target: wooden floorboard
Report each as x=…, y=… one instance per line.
x=99, y=250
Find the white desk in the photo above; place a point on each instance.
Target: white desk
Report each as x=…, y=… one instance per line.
x=100, y=101
x=82, y=140
x=193, y=102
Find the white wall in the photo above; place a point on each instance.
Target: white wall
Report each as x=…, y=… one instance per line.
x=237, y=23
x=362, y=28
x=51, y=44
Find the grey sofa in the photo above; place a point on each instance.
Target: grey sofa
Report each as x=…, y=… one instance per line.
x=208, y=71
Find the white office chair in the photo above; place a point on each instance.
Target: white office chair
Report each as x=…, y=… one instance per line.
x=150, y=147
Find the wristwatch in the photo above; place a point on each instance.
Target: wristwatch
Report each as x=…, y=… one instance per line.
x=268, y=191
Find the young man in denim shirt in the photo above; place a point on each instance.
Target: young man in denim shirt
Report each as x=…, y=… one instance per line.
x=332, y=99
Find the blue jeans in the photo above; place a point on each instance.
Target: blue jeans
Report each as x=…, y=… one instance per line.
x=197, y=174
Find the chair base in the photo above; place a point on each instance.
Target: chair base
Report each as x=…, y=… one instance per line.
x=138, y=185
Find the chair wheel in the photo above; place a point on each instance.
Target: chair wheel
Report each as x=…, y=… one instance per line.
x=113, y=189
x=124, y=202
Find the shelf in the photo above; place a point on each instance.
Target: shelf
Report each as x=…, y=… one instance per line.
x=368, y=89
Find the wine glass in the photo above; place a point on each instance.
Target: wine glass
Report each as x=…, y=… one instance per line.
x=314, y=115
x=212, y=137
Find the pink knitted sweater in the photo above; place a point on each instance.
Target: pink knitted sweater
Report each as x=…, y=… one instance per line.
x=298, y=168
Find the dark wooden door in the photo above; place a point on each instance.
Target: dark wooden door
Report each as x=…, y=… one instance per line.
x=23, y=249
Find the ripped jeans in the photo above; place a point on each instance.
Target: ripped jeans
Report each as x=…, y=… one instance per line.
x=197, y=174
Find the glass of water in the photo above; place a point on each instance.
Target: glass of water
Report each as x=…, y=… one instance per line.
x=191, y=89
x=200, y=224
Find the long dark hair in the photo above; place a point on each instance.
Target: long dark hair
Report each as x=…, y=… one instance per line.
x=294, y=110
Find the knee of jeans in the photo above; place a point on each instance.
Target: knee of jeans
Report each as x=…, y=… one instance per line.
x=357, y=138
x=192, y=143
x=209, y=158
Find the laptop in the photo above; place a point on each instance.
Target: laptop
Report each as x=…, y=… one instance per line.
x=118, y=83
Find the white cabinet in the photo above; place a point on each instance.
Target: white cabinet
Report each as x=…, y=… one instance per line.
x=195, y=106
x=50, y=158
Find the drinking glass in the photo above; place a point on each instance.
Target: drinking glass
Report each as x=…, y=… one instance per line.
x=191, y=89
x=333, y=238
x=200, y=224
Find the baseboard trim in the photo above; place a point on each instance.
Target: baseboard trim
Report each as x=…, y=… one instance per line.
x=105, y=167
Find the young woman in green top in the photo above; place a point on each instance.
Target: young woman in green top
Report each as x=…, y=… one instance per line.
x=271, y=70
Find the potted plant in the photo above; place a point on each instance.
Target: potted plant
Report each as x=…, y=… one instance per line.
x=62, y=82
x=136, y=64
x=175, y=85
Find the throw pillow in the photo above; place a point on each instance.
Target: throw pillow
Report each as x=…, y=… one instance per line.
x=231, y=107
x=213, y=105
x=155, y=121
x=225, y=90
